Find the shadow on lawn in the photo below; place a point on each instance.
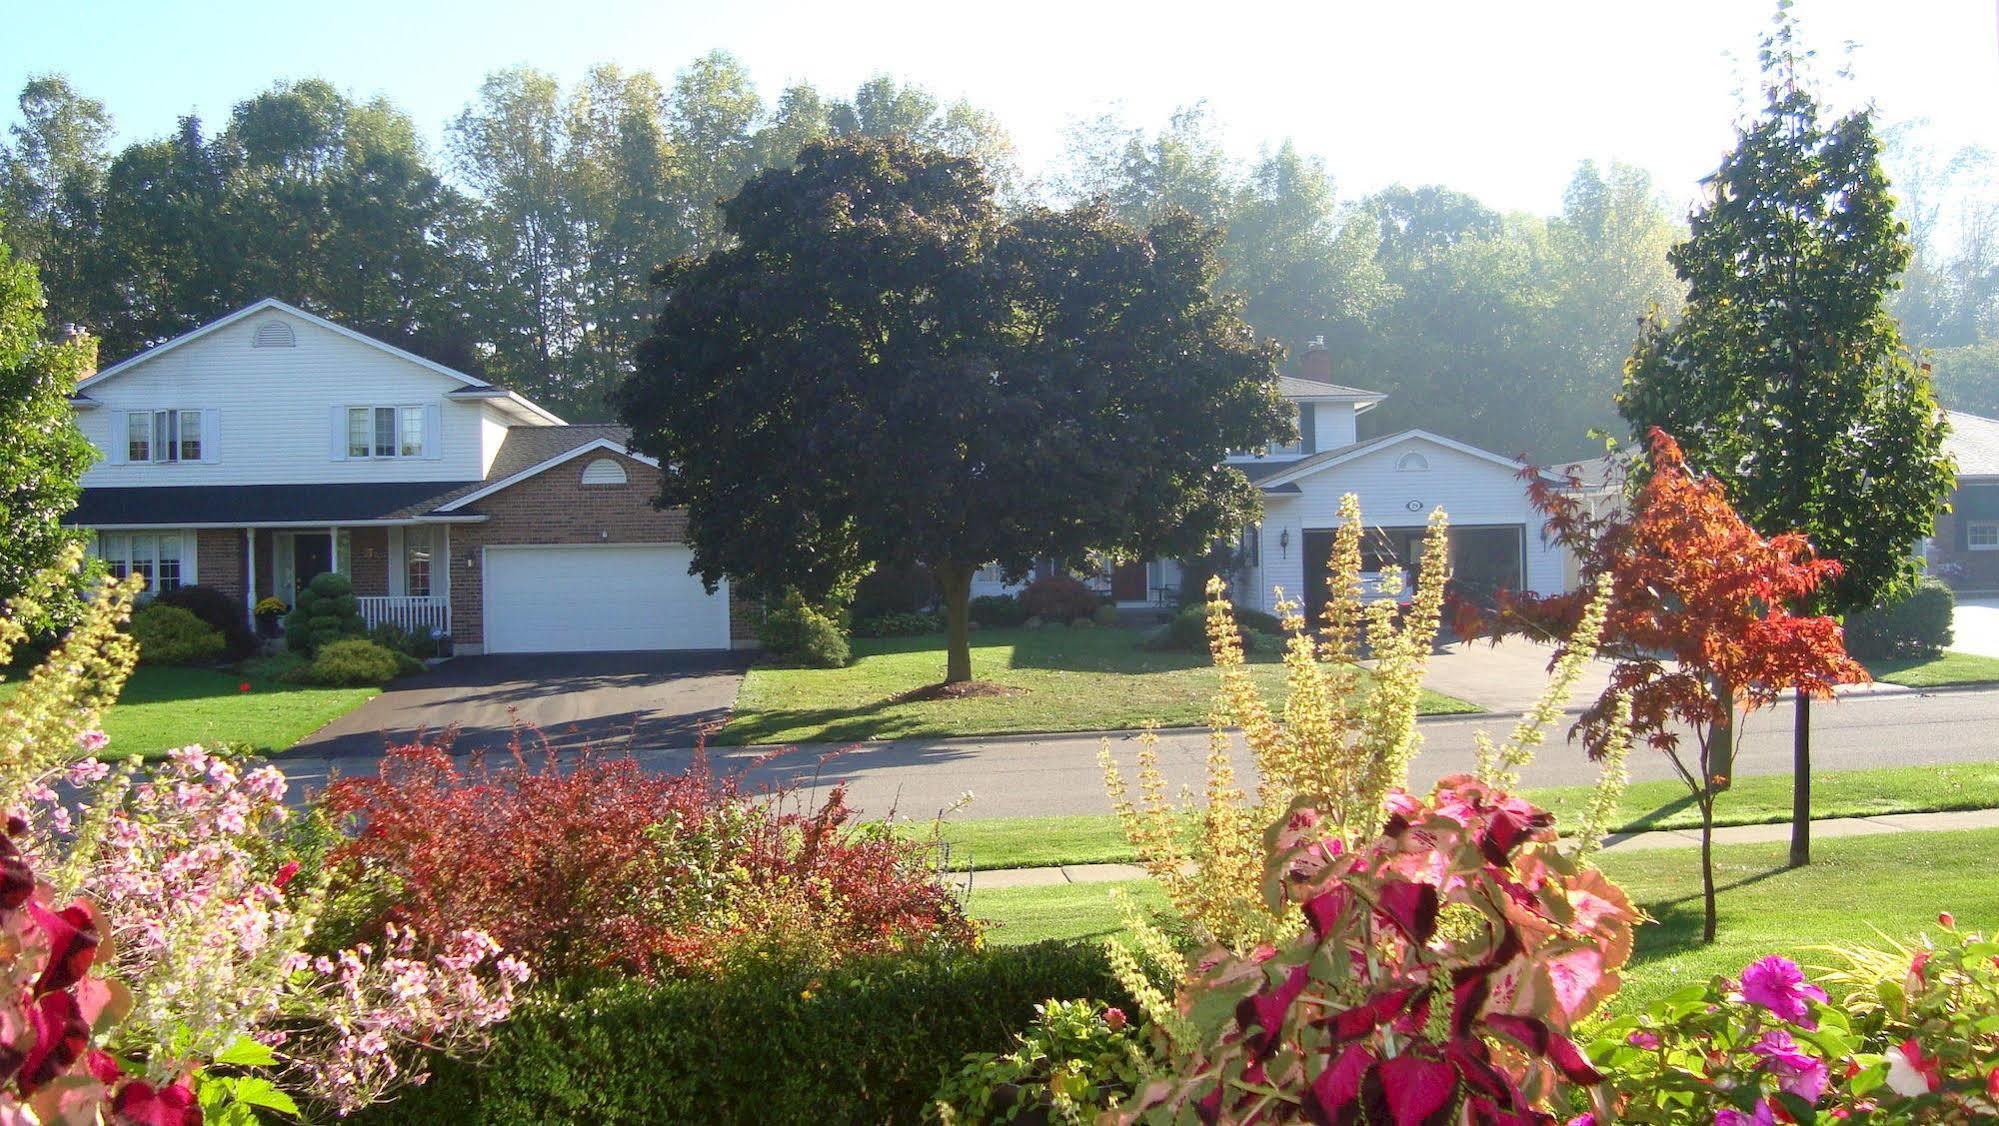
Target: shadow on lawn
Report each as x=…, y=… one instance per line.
x=1676, y=925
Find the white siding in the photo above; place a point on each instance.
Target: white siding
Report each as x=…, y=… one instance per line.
x=273, y=408
x=492, y=432
x=1336, y=426
x=1470, y=490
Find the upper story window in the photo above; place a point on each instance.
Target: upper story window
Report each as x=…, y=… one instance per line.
x=163, y=436
x=1296, y=445
x=385, y=431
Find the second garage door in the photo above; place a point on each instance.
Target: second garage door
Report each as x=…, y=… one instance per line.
x=609, y=598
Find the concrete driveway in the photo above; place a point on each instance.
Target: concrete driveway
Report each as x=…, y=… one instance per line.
x=609, y=699
x=1975, y=626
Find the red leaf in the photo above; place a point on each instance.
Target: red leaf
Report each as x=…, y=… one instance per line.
x=1415, y=1090
x=73, y=940
x=138, y=1104
x=60, y=1037
x=1338, y=1087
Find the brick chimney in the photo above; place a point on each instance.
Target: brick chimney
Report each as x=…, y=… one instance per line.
x=1317, y=362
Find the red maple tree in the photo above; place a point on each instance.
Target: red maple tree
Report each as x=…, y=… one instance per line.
x=1697, y=622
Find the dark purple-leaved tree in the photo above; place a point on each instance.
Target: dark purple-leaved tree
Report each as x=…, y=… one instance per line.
x=884, y=368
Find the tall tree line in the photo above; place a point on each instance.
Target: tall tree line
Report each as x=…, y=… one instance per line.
x=522, y=252
x=523, y=249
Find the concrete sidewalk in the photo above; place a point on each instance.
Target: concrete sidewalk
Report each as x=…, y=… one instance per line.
x=1621, y=842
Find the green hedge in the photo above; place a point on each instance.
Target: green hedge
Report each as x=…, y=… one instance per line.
x=1917, y=625
x=867, y=1043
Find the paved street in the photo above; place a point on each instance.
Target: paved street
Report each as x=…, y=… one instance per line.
x=1029, y=775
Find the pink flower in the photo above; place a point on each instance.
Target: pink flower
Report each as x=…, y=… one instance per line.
x=1115, y=1018
x=92, y=741
x=1643, y=1039
x=1777, y=984
x=1796, y=1070
x=1729, y=1116
x=1947, y=919
x=285, y=873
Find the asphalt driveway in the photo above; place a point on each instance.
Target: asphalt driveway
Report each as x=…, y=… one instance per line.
x=639, y=700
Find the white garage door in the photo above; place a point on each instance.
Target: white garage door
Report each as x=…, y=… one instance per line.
x=609, y=598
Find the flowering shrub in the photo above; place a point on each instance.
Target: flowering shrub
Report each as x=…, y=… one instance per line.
x=1436, y=976
x=178, y=892
x=603, y=865
x=1074, y=1061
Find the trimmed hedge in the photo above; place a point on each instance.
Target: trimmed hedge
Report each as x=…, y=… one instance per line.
x=170, y=635
x=1918, y=625
x=1189, y=631
x=897, y=625
x=1059, y=598
x=223, y=612
x=997, y=611
x=798, y=632
x=866, y=1043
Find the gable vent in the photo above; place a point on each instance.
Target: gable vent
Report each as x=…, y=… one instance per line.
x=274, y=334
x=603, y=471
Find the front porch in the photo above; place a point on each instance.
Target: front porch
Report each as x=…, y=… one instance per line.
x=400, y=573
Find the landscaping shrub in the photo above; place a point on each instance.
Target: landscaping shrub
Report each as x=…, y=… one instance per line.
x=898, y=625
x=865, y=1043
x=1106, y=615
x=997, y=611
x=419, y=644
x=606, y=866
x=1059, y=598
x=1076, y=1061
x=223, y=612
x=352, y=663
x=169, y=635
x=797, y=632
x=1917, y=625
x=1188, y=631
x=326, y=612
x=893, y=590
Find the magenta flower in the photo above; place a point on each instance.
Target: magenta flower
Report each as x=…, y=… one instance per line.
x=1796, y=1070
x=1777, y=984
x=1643, y=1039
x=1729, y=1116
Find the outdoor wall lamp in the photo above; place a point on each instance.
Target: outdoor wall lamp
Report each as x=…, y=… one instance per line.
x=1284, y=542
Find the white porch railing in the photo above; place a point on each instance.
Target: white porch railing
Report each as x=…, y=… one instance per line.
x=418, y=614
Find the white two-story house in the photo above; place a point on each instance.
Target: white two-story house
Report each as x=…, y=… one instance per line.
x=1496, y=536
x=273, y=445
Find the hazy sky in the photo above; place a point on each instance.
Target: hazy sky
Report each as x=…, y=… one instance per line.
x=1499, y=99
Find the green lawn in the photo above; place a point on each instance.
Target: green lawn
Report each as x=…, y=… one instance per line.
x=1070, y=680
x=1027, y=842
x=1895, y=883
x=1936, y=672
x=163, y=708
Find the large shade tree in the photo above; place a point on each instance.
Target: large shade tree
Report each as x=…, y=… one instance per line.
x=1787, y=378
x=882, y=368
x=42, y=453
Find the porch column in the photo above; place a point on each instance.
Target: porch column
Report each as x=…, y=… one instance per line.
x=250, y=572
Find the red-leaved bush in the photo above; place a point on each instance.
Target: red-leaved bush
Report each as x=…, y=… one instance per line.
x=602, y=865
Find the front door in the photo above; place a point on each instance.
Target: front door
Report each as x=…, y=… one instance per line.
x=312, y=556
x=1128, y=582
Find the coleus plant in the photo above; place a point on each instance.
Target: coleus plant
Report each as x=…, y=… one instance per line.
x=54, y=1012
x=1435, y=978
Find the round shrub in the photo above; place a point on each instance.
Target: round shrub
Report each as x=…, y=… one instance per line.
x=897, y=625
x=1916, y=625
x=327, y=612
x=894, y=590
x=1059, y=598
x=795, y=631
x=1106, y=615
x=352, y=663
x=1188, y=631
x=169, y=635
x=997, y=611
x=223, y=612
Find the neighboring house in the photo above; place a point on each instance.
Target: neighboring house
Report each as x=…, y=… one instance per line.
x=1965, y=550
x=1496, y=536
x=272, y=445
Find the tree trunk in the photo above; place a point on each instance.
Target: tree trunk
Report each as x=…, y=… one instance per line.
x=956, y=581
x=1707, y=869
x=1801, y=782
